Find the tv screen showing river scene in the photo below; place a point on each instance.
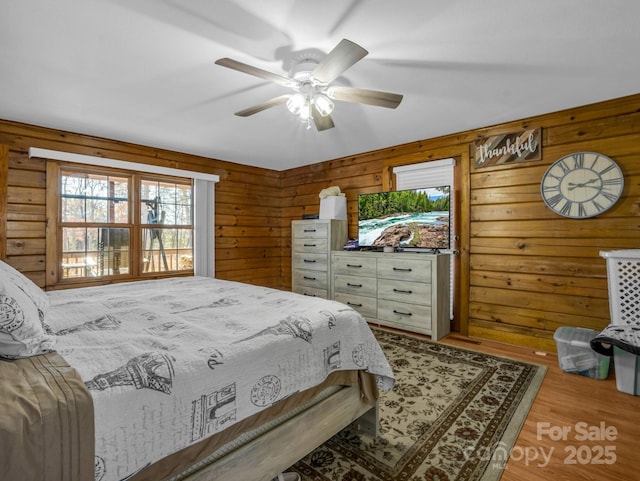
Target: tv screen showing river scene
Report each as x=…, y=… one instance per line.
x=405, y=219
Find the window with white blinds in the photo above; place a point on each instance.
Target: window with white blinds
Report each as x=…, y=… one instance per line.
x=425, y=174
x=430, y=174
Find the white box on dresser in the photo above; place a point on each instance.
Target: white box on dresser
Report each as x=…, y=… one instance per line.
x=311, y=244
x=405, y=290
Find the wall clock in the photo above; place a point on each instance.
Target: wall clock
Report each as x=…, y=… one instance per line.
x=582, y=185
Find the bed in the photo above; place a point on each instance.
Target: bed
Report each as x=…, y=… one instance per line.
x=187, y=378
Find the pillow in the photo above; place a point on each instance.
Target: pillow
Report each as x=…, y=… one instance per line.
x=23, y=306
x=22, y=282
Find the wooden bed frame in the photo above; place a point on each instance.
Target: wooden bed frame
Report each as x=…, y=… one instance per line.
x=281, y=447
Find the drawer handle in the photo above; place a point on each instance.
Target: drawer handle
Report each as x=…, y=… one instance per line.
x=309, y=295
x=310, y=245
x=309, y=230
x=353, y=285
x=357, y=266
x=402, y=270
x=400, y=313
x=353, y=304
x=309, y=261
x=403, y=291
x=309, y=278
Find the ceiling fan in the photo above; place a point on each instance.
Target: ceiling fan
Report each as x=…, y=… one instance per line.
x=310, y=80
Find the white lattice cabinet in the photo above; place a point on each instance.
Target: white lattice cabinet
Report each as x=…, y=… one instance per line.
x=409, y=291
x=311, y=244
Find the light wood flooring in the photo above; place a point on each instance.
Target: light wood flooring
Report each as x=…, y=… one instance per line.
x=578, y=428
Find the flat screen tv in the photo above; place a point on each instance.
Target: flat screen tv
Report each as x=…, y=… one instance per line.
x=412, y=219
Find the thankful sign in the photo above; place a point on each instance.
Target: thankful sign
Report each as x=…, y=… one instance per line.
x=506, y=148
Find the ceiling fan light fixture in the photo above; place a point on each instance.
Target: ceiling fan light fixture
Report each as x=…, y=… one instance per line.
x=324, y=104
x=295, y=104
x=310, y=76
x=305, y=112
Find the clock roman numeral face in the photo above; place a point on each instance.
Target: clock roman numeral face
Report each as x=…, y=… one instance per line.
x=582, y=185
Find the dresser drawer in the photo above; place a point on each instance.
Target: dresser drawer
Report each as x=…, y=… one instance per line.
x=312, y=291
x=310, y=261
x=361, y=286
x=310, y=230
x=317, y=279
x=354, y=265
x=310, y=245
x=411, y=270
x=364, y=305
x=401, y=291
x=405, y=315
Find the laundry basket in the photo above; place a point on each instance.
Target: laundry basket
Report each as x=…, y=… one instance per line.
x=623, y=276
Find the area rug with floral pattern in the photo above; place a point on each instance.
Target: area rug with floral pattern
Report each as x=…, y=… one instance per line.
x=454, y=414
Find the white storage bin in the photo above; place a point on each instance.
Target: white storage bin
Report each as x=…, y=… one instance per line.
x=626, y=365
x=333, y=207
x=623, y=276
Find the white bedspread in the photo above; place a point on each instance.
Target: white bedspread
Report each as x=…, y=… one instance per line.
x=169, y=362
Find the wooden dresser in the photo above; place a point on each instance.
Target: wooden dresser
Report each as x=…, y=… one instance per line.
x=405, y=290
x=311, y=245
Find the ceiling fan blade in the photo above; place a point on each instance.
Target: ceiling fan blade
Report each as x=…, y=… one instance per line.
x=255, y=71
x=322, y=123
x=263, y=106
x=343, y=56
x=364, y=96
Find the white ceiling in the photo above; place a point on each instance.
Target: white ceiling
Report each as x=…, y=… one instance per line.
x=143, y=71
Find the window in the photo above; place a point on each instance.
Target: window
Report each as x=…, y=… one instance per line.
x=116, y=225
x=203, y=205
x=167, y=225
x=431, y=174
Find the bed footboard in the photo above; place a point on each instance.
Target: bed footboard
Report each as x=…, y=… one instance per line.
x=273, y=452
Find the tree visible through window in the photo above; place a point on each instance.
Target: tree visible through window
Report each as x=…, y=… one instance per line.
x=122, y=224
x=167, y=234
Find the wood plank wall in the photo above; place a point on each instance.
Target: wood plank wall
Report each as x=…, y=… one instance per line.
x=523, y=270
x=532, y=271
x=248, y=238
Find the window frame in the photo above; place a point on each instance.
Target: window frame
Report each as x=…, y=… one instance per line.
x=54, y=270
